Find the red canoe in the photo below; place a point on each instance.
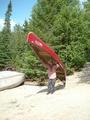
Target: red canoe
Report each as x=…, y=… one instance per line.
x=45, y=53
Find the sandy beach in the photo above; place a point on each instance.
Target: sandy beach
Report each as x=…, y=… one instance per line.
x=28, y=102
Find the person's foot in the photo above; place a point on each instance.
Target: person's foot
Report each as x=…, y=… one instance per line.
x=52, y=91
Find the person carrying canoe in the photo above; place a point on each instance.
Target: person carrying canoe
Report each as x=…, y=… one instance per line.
x=51, y=69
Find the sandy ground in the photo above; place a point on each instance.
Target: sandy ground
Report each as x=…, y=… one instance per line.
x=32, y=103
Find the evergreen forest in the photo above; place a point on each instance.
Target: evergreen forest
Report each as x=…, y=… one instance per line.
x=62, y=24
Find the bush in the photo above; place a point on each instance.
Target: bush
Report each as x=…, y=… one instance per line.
x=76, y=55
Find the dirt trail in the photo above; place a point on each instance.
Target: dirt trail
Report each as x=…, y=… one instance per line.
x=31, y=102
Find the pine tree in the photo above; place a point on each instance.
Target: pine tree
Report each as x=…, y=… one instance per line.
x=7, y=18
x=87, y=24
x=17, y=47
x=5, y=38
x=26, y=27
x=60, y=24
x=42, y=19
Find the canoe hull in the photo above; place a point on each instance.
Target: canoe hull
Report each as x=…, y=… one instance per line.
x=10, y=79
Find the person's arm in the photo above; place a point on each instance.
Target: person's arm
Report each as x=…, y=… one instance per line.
x=57, y=65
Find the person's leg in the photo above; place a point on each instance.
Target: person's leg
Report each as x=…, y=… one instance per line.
x=53, y=85
x=49, y=85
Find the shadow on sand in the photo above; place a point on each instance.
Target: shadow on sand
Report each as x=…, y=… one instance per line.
x=58, y=87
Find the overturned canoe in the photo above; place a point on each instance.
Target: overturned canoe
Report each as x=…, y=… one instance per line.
x=10, y=79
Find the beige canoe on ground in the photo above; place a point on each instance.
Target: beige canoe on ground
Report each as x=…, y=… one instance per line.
x=10, y=79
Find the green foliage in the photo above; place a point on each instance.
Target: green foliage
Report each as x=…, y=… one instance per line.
x=5, y=38
x=75, y=55
x=17, y=47
x=32, y=66
x=62, y=24
x=87, y=24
